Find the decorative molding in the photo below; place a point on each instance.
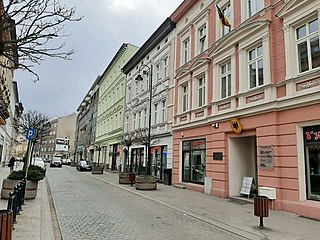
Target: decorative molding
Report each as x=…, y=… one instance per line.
x=307, y=84
x=224, y=106
x=184, y=118
x=199, y=114
x=255, y=97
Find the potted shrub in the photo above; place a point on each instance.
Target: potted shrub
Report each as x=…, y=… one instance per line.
x=35, y=174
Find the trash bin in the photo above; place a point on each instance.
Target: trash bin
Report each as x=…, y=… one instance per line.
x=167, y=176
x=5, y=224
x=261, y=207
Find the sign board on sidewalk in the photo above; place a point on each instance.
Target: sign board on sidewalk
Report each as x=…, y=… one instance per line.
x=246, y=185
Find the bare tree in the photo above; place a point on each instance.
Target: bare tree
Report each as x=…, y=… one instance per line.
x=126, y=140
x=32, y=120
x=33, y=25
x=142, y=137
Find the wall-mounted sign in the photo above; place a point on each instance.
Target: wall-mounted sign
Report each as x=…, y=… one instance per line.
x=311, y=134
x=217, y=156
x=266, y=157
x=236, y=125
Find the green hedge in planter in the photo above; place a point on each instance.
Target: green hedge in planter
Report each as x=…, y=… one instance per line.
x=35, y=173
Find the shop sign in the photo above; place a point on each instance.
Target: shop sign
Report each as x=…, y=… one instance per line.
x=236, y=125
x=199, y=144
x=266, y=158
x=312, y=134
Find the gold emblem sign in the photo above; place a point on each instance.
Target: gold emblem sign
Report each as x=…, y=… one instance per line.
x=236, y=125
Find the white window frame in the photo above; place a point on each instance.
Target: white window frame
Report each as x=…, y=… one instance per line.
x=201, y=91
x=255, y=61
x=306, y=39
x=164, y=108
x=145, y=117
x=139, y=119
x=254, y=39
x=257, y=6
x=254, y=6
x=186, y=50
x=227, y=14
x=227, y=74
x=166, y=67
x=158, y=71
x=155, y=115
x=202, y=38
x=184, y=97
x=134, y=121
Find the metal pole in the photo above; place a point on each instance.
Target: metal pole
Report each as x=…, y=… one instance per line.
x=149, y=130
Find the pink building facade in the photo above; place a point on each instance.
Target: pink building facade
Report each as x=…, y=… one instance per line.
x=247, y=101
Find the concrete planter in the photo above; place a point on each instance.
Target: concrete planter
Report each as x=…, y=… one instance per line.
x=125, y=178
x=146, y=182
x=8, y=186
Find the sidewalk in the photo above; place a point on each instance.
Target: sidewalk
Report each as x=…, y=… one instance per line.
x=234, y=216
x=34, y=222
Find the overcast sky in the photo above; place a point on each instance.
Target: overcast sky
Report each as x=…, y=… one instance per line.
x=97, y=37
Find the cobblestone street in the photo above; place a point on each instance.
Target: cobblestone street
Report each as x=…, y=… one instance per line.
x=90, y=209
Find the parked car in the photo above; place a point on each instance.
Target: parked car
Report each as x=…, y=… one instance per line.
x=66, y=161
x=56, y=162
x=38, y=162
x=84, y=165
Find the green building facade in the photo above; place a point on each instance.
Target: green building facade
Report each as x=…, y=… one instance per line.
x=111, y=110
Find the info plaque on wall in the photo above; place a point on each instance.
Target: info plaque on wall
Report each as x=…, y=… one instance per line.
x=266, y=157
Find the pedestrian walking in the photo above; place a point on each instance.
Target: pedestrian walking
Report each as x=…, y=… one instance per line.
x=11, y=163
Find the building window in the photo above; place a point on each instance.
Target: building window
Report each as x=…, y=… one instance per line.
x=202, y=35
x=165, y=68
x=194, y=161
x=134, y=121
x=158, y=71
x=201, y=91
x=127, y=123
x=254, y=6
x=225, y=80
x=139, y=120
x=312, y=161
x=145, y=117
x=156, y=113
x=226, y=10
x=184, y=98
x=164, y=107
x=186, y=51
x=256, y=67
x=308, y=46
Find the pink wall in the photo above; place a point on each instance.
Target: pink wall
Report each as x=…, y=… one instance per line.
x=275, y=128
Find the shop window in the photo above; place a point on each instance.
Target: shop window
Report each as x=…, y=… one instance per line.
x=194, y=161
x=312, y=160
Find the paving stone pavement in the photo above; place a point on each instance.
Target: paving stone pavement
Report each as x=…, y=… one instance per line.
x=90, y=209
x=226, y=213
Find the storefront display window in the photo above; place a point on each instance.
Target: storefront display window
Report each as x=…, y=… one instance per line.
x=159, y=161
x=312, y=158
x=194, y=161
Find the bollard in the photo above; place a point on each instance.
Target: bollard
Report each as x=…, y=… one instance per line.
x=261, y=208
x=132, y=178
x=5, y=225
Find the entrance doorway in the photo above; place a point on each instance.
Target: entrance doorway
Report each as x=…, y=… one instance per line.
x=242, y=162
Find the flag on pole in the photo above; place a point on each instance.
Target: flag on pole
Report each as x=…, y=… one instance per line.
x=223, y=19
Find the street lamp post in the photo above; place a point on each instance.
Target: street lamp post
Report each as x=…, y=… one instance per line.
x=139, y=78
